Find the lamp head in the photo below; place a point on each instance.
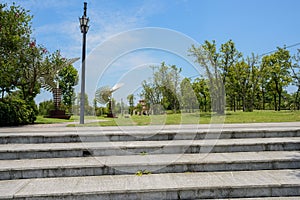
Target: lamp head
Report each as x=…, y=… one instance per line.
x=84, y=21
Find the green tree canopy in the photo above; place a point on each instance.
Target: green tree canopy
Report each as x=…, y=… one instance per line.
x=210, y=59
x=188, y=96
x=130, y=99
x=68, y=78
x=201, y=90
x=15, y=30
x=164, y=88
x=276, y=67
x=26, y=66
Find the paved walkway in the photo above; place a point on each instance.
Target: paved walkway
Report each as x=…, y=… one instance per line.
x=221, y=127
x=53, y=125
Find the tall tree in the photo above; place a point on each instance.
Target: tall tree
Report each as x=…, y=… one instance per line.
x=279, y=77
x=241, y=82
x=255, y=75
x=152, y=95
x=201, y=90
x=17, y=93
x=175, y=86
x=229, y=57
x=130, y=99
x=68, y=78
x=163, y=88
x=33, y=67
x=207, y=56
x=15, y=30
x=295, y=68
x=188, y=97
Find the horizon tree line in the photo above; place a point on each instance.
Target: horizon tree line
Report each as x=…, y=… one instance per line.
x=231, y=81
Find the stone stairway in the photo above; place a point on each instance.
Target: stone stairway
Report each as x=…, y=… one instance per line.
x=243, y=161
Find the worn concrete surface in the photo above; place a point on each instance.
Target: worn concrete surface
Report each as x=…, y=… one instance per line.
x=196, y=184
x=260, y=146
x=173, y=163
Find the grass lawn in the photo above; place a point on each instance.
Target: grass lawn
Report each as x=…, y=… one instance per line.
x=42, y=120
x=202, y=118
x=262, y=116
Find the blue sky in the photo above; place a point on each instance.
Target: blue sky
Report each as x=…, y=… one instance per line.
x=257, y=26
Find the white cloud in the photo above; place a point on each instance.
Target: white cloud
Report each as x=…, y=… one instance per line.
x=105, y=24
x=104, y=21
x=126, y=57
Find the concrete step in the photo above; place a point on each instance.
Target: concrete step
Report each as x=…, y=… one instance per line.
x=231, y=161
x=95, y=135
x=261, y=198
x=60, y=150
x=239, y=127
x=161, y=163
x=238, y=184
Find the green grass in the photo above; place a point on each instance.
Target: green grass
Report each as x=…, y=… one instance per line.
x=202, y=118
x=42, y=120
x=262, y=116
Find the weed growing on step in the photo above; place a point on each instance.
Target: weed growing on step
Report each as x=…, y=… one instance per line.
x=142, y=172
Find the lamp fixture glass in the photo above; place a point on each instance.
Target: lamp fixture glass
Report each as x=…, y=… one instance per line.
x=84, y=24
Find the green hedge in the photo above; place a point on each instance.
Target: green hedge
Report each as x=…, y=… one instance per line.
x=14, y=111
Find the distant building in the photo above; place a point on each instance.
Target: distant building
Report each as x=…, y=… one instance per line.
x=142, y=108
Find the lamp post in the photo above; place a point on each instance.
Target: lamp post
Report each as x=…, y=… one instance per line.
x=84, y=29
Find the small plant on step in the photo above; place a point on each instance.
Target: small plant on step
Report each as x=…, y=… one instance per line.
x=142, y=172
x=143, y=153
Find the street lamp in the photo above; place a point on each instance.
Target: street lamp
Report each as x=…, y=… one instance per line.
x=84, y=29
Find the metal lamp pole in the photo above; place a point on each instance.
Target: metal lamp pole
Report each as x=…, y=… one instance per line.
x=84, y=29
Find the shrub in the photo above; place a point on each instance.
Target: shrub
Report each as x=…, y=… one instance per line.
x=45, y=107
x=14, y=111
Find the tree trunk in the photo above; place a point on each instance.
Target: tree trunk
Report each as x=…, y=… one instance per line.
x=297, y=104
x=263, y=99
x=244, y=103
x=234, y=104
x=252, y=100
x=205, y=103
x=275, y=102
x=279, y=101
x=222, y=101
